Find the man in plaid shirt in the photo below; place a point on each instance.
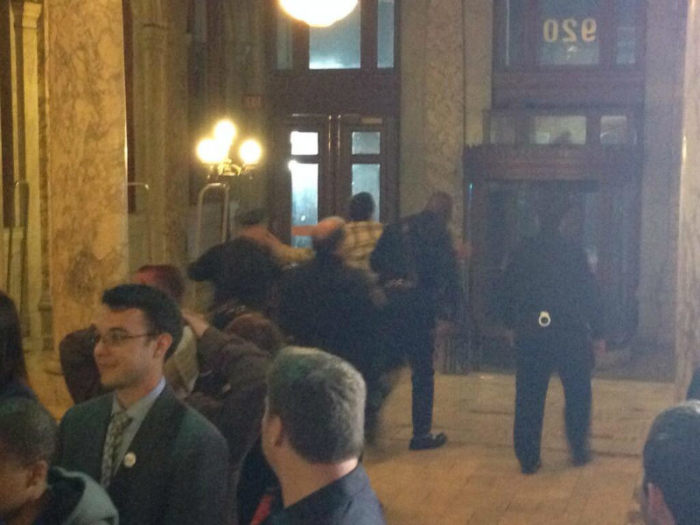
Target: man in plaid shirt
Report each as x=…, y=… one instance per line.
x=361, y=233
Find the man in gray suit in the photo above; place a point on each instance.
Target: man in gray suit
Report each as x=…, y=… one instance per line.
x=160, y=461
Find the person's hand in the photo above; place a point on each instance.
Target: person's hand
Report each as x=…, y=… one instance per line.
x=197, y=322
x=599, y=348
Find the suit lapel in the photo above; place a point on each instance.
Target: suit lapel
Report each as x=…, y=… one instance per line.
x=146, y=459
x=94, y=433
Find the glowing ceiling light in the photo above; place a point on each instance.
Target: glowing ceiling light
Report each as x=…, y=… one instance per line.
x=250, y=152
x=319, y=13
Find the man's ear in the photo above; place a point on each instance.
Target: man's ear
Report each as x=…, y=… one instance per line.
x=36, y=479
x=657, y=510
x=163, y=342
x=276, y=433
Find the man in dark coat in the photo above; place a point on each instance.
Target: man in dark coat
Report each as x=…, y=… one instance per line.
x=325, y=304
x=416, y=264
x=160, y=461
x=552, y=307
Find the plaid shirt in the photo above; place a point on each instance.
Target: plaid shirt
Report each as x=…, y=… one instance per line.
x=359, y=242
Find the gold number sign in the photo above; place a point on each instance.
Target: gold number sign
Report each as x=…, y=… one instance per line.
x=569, y=30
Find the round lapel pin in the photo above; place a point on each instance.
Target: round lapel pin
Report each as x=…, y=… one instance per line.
x=129, y=459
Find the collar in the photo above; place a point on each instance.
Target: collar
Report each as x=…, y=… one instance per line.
x=139, y=410
x=341, y=489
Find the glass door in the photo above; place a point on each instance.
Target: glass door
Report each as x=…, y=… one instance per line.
x=326, y=159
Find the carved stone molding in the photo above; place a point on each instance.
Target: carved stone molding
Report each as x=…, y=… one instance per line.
x=26, y=14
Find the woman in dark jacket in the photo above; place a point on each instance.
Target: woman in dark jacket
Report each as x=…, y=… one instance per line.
x=13, y=371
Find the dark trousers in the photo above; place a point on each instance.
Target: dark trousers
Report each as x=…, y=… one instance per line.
x=537, y=356
x=411, y=316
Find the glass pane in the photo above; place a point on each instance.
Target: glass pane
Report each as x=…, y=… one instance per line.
x=366, y=142
x=613, y=130
x=385, y=33
x=568, y=32
x=626, y=14
x=559, y=130
x=502, y=129
x=284, y=41
x=515, y=27
x=304, y=142
x=337, y=46
x=304, y=197
x=366, y=177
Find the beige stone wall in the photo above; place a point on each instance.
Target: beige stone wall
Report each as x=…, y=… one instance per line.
x=446, y=87
x=688, y=303
x=86, y=161
x=662, y=144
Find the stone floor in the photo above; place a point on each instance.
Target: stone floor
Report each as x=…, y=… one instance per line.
x=474, y=479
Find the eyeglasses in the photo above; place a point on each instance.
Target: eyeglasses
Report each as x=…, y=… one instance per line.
x=118, y=338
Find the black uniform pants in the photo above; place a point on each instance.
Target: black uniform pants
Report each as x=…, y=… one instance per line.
x=569, y=352
x=411, y=317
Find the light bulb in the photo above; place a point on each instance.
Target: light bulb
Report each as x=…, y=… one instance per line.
x=209, y=151
x=225, y=132
x=250, y=152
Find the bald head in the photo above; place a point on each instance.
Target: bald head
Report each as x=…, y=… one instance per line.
x=327, y=235
x=440, y=203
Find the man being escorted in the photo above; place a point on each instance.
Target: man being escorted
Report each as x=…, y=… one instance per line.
x=672, y=467
x=551, y=304
x=161, y=462
x=417, y=267
x=312, y=435
x=30, y=491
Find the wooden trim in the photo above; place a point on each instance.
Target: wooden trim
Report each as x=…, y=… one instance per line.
x=531, y=84
x=336, y=92
x=368, y=34
x=568, y=87
x=552, y=163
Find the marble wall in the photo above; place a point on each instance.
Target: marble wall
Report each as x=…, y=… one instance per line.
x=445, y=89
x=662, y=143
x=688, y=301
x=86, y=156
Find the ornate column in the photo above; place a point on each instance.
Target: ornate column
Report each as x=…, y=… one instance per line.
x=688, y=282
x=86, y=156
x=663, y=115
x=26, y=16
x=439, y=132
x=157, y=80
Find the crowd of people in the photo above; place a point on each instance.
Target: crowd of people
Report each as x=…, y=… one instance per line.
x=257, y=411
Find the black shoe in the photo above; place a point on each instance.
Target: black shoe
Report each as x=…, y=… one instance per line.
x=428, y=441
x=530, y=468
x=580, y=458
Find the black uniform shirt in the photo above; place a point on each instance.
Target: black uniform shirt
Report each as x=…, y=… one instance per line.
x=550, y=273
x=349, y=500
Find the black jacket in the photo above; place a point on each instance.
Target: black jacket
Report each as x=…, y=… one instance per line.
x=347, y=501
x=419, y=249
x=180, y=474
x=549, y=273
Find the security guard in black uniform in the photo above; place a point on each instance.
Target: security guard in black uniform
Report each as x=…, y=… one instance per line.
x=551, y=305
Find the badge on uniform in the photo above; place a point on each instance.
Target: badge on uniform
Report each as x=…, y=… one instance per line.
x=129, y=459
x=545, y=319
